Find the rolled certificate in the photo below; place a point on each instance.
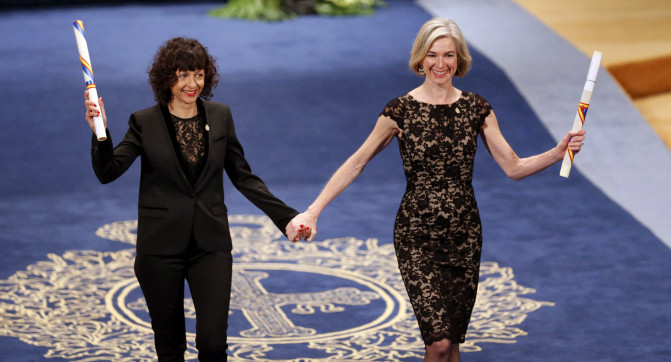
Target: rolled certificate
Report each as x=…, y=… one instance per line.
x=88, y=76
x=579, y=120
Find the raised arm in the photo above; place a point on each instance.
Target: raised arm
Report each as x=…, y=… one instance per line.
x=110, y=162
x=385, y=130
x=519, y=168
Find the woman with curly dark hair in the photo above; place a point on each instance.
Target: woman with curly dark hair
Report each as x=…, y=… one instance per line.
x=185, y=143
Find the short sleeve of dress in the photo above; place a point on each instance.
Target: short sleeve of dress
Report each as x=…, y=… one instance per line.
x=482, y=109
x=394, y=110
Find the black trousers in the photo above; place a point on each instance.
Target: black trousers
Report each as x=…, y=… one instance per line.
x=208, y=275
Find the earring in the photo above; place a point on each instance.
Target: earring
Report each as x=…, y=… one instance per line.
x=421, y=71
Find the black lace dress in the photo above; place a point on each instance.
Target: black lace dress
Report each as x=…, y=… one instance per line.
x=438, y=235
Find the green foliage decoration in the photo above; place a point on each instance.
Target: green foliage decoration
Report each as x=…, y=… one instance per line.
x=277, y=10
x=347, y=7
x=267, y=10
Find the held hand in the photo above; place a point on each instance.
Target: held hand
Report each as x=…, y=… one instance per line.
x=303, y=226
x=92, y=111
x=292, y=231
x=573, y=140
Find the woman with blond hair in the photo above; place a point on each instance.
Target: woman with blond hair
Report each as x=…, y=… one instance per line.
x=438, y=234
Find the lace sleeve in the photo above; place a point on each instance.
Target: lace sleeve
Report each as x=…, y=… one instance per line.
x=482, y=109
x=394, y=110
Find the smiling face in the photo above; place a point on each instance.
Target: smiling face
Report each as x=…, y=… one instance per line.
x=441, y=61
x=187, y=88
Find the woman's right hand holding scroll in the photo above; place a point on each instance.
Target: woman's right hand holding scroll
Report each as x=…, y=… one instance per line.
x=93, y=111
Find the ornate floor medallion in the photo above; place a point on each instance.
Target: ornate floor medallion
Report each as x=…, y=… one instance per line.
x=336, y=299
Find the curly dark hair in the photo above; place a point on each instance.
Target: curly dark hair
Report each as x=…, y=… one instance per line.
x=181, y=54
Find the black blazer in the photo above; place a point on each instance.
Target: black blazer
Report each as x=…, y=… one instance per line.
x=170, y=208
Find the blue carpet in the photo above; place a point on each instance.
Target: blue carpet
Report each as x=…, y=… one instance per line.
x=304, y=95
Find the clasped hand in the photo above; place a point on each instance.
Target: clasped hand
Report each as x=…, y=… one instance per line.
x=302, y=226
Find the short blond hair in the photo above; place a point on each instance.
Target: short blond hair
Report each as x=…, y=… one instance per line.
x=433, y=30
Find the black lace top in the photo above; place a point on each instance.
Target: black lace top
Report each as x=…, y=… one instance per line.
x=190, y=145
